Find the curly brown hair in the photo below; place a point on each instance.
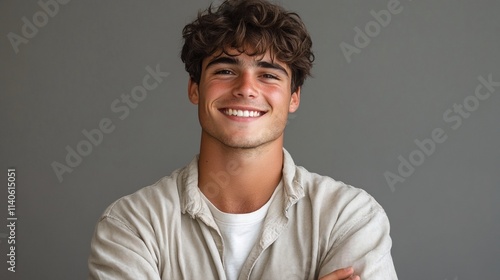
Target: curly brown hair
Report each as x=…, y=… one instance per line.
x=255, y=24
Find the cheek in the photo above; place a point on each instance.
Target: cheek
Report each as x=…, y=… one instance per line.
x=279, y=101
x=277, y=93
x=213, y=91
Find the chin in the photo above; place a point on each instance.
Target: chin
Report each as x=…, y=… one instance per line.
x=241, y=145
x=246, y=144
x=246, y=140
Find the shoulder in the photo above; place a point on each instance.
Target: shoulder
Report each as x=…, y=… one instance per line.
x=149, y=203
x=323, y=191
x=336, y=198
x=339, y=209
x=325, y=187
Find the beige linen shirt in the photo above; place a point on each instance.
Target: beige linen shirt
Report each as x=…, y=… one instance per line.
x=318, y=225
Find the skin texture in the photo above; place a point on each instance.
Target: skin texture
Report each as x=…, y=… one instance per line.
x=254, y=145
x=342, y=274
x=241, y=159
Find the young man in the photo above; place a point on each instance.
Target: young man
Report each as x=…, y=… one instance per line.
x=242, y=209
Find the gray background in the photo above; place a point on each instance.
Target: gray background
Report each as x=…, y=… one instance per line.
x=355, y=120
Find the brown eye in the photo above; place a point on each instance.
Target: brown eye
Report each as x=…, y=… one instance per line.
x=223, y=72
x=270, y=76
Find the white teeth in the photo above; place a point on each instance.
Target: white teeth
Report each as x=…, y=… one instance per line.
x=242, y=113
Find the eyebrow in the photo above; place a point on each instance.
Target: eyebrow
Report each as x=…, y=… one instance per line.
x=235, y=61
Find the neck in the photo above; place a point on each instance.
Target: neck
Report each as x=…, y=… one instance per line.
x=239, y=180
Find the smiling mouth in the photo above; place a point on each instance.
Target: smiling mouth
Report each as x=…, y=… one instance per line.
x=242, y=113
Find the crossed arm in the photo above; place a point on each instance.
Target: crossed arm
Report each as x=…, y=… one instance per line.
x=342, y=274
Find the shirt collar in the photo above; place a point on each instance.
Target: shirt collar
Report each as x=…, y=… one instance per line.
x=192, y=203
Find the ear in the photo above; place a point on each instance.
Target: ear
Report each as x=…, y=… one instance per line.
x=193, y=92
x=294, y=101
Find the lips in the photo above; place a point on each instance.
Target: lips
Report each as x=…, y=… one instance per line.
x=242, y=113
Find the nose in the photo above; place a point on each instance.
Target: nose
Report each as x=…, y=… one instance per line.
x=246, y=86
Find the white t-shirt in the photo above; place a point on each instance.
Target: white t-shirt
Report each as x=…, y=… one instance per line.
x=239, y=233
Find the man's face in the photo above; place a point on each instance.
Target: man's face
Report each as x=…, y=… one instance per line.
x=243, y=101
